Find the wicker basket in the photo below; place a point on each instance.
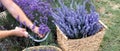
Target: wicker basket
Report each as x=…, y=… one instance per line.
x=41, y=48
x=90, y=43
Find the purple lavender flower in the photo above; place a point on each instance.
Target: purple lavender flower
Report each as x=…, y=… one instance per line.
x=43, y=19
x=35, y=9
x=78, y=22
x=32, y=6
x=43, y=29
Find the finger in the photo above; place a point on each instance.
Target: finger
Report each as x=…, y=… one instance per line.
x=23, y=35
x=24, y=30
x=26, y=34
x=40, y=35
x=19, y=28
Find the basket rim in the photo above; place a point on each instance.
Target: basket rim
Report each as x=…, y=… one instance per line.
x=43, y=46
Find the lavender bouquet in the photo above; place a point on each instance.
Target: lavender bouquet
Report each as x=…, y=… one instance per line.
x=77, y=21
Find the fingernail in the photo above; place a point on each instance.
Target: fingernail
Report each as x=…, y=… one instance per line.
x=26, y=34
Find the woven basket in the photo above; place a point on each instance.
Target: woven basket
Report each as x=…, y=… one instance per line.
x=90, y=43
x=41, y=48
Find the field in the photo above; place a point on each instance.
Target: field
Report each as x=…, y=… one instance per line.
x=109, y=14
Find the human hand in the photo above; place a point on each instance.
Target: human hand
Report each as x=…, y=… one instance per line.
x=21, y=32
x=36, y=30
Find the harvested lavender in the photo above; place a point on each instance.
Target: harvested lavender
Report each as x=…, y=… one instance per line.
x=78, y=22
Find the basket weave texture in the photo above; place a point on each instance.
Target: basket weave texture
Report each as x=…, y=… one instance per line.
x=90, y=43
x=37, y=48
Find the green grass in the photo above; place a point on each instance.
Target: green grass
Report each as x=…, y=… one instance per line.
x=111, y=17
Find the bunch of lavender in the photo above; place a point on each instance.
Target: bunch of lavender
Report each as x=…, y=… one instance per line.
x=33, y=8
x=77, y=22
x=37, y=11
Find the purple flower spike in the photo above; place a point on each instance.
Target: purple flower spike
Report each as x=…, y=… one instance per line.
x=78, y=22
x=43, y=29
x=43, y=19
x=32, y=6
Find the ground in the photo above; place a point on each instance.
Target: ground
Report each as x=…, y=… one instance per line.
x=110, y=14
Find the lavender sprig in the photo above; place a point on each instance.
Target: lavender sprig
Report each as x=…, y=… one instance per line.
x=43, y=29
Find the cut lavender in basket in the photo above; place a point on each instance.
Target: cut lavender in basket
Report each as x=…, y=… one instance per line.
x=77, y=22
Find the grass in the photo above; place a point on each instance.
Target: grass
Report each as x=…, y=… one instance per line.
x=110, y=14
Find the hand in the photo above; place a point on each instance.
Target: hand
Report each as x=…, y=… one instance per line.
x=19, y=32
x=36, y=30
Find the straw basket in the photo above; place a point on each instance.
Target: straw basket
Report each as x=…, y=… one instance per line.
x=42, y=48
x=90, y=43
